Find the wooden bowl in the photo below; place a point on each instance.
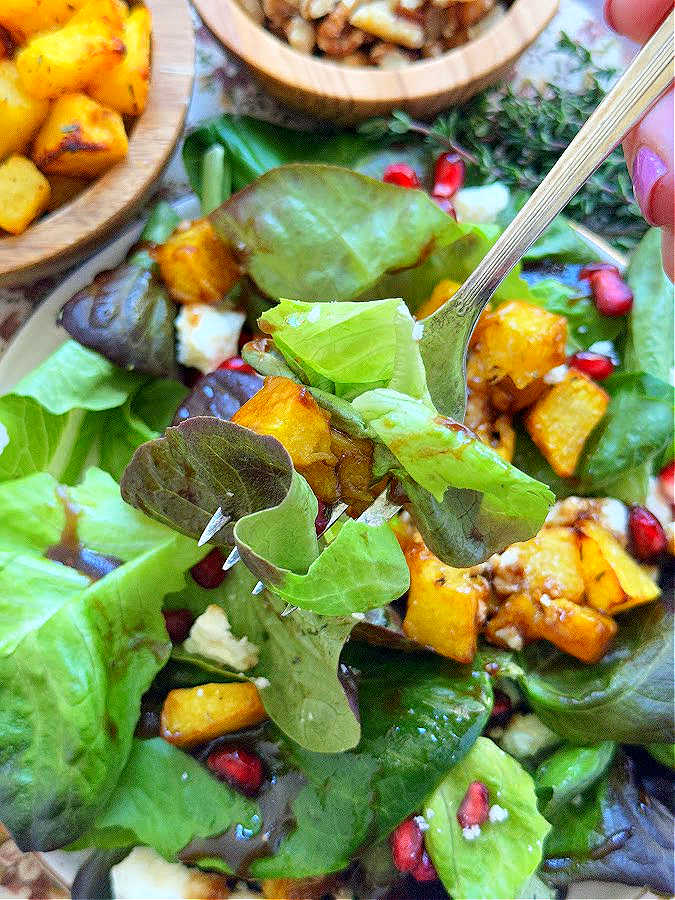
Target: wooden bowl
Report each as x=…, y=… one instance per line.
x=68, y=231
x=347, y=95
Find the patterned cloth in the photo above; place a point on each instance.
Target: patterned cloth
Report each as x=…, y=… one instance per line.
x=222, y=84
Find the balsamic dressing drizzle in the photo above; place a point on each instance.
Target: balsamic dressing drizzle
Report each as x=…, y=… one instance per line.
x=71, y=552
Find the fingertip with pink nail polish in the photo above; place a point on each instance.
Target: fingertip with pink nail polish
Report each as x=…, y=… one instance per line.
x=648, y=168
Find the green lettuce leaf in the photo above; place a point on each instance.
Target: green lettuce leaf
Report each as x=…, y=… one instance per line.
x=585, y=325
x=75, y=656
x=505, y=854
x=348, y=348
x=206, y=463
x=626, y=697
x=156, y=769
x=570, y=771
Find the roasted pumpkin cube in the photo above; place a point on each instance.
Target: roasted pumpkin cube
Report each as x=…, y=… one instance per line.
x=67, y=60
x=195, y=715
x=603, y=591
x=24, y=194
x=23, y=18
x=288, y=412
x=500, y=435
x=112, y=12
x=80, y=138
x=506, y=397
x=354, y=469
x=521, y=341
x=64, y=189
x=548, y=564
x=442, y=292
x=578, y=630
x=20, y=114
x=630, y=586
x=196, y=265
x=561, y=422
x=443, y=610
x=126, y=87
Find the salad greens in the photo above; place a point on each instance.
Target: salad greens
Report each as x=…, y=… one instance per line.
x=502, y=857
x=569, y=772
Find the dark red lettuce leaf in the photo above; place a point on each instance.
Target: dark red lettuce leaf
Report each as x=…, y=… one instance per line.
x=220, y=393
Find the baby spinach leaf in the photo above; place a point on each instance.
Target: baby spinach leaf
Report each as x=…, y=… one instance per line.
x=570, y=771
x=156, y=402
x=637, y=426
x=585, y=325
x=75, y=657
x=155, y=769
x=498, y=861
x=626, y=697
x=126, y=315
x=663, y=753
x=347, y=229
x=617, y=833
x=650, y=325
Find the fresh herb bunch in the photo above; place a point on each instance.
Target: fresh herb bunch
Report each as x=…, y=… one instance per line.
x=516, y=139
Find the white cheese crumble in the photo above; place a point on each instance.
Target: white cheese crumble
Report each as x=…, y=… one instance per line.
x=421, y=823
x=144, y=873
x=418, y=331
x=498, y=813
x=359, y=616
x=511, y=637
x=526, y=735
x=471, y=832
x=261, y=683
x=556, y=375
x=481, y=205
x=207, y=335
x=211, y=636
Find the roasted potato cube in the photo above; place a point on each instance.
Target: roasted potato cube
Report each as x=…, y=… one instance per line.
x=23, y=18
x=196, y=265
x=500, y=435
x=626, y=586
x=521, y=341
x=126, y=87
x=196, y=715
x=20, y=114
x=547, y=565
x=24, y=194
x=442, y=292
x=289, y=413
x=578, y=630
x=67, y=60
x=443, y=604
x=64, y=189
x=112, y=12
x=562, y=420
x=79, y=138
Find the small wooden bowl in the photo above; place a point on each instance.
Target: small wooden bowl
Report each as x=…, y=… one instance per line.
x=67, y=232
x=347, y=95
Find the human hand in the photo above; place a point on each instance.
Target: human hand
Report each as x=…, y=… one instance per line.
x=649, y=146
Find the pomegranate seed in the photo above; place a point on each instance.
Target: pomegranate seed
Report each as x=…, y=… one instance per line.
x=242, y=770
x=474, y=808
x=178, y=623
x=209, y=572
x=237, y=364
x=612, y=295
x=407, y=845
x=446, y=205
x=648, y=536
x=667, y=482
x=321, y=518
x=595, y=365
x=424, y=870
x=401, y=174
x=449, y=174
x=501, y=706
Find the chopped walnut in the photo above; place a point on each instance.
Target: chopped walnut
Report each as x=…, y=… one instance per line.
x=379, y=18
x=316, y=9
x=336, y=37
x=356, y=59
x=278, y=11
x=389, y=56
x=473, y=11
x=254, y=9
x=301, y=34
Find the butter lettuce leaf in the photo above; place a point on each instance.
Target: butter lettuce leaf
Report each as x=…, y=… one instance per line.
x=205, y=463
x=75, y=656
x=505, y=854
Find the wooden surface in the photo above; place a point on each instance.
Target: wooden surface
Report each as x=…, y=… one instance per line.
x=345, y=94
x=70, y=230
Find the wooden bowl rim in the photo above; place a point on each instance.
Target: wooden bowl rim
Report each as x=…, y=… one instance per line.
x=109, y=198
x=269, y=55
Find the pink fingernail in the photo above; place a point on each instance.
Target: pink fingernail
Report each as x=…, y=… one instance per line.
x=648, y=167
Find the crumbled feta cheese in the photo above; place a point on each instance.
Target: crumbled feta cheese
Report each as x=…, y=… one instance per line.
x=471, y=832
x=613, y=515
x=210, y=636
x=144, y=873
x=421, y=823
x=545, y=600
x=207, y=335
x=261, y=683
x=510, y=557
x=498, y=813
x=556, y=375
x=358, y=616
x=511, y=637
x=481, y=205
x=656, y=503
x=605, y=348
x=418, y=331
x=526, y=735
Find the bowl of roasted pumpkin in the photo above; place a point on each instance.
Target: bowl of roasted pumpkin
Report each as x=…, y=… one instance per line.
x=93, y=94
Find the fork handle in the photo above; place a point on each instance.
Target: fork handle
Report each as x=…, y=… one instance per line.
x=641, y=85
